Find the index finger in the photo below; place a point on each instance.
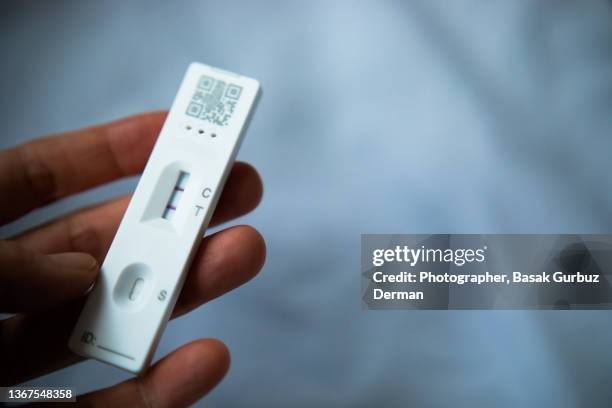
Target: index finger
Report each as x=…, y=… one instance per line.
x=44, y=170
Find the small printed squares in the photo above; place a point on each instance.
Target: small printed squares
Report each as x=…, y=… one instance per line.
x=233, y=91
x=194, y=109
x=214, y=100
x=206, y=83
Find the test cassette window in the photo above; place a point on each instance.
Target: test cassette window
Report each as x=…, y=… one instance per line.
x=214, y=100
x=175, y=196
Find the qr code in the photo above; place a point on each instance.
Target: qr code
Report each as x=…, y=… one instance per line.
x=214, y=100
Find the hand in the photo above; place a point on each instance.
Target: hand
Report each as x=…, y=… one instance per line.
x=45, y=273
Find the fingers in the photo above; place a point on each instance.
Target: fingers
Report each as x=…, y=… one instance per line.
x=91, y=230
x=38, y=172
x=31, y=281
x=224, y=261
x=178, y=380
x=242, y=193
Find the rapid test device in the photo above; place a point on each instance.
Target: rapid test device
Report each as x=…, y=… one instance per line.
x=144, y=270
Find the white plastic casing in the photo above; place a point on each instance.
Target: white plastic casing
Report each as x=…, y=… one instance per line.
x=144, y=270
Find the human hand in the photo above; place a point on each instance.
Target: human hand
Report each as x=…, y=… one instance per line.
x=45, y=272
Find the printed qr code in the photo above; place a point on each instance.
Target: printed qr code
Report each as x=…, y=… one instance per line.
x=214, y=100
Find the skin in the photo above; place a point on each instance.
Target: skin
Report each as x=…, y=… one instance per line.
x=46, y=272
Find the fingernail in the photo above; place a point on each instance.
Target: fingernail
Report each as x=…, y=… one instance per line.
x=75, y=260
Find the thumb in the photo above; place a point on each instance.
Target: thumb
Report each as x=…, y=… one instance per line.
x=32, y=281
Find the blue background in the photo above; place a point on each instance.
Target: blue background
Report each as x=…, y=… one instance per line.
x=377, y=117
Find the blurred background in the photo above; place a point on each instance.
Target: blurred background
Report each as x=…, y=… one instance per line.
x=377, y=117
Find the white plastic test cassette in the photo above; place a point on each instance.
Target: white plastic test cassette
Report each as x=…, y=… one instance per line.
x=143, y=273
